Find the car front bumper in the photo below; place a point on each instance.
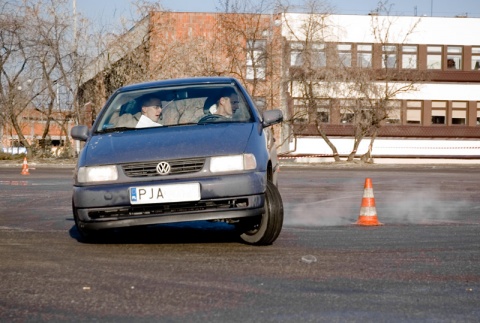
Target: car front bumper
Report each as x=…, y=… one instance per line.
x=222, y=197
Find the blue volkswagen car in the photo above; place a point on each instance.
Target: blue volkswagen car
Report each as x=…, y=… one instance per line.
x=207, y=153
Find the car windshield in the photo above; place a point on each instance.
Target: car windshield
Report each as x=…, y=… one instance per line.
x=173, y=106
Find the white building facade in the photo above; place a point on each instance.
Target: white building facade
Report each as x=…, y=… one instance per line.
x=438, y=117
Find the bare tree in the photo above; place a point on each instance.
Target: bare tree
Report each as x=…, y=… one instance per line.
x=17, y=66
x=150, y=50
x=181, y=54
x=376, y=90
x=249, y=40
x=323, y=78
x=43, y=46
x=312, y=78
x=154, y=49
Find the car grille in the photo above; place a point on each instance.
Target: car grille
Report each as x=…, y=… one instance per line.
x=172, y=208
x=180, y=166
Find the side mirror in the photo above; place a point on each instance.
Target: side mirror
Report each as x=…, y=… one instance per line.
x=79, y=133
x=271, y=117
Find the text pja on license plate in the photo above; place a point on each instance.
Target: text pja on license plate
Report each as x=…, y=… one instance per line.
x=165, y=193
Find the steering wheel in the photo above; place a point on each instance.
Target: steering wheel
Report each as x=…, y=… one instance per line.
x=212, y=118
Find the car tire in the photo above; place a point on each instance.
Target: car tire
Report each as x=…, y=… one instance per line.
x=85, y=235
x=265, y=229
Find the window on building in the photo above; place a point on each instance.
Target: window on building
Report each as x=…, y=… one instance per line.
x=355, y=110
x=439, y=112
x=389, y=56
x=394, y=111
x=323, y=111
x=300, y=111
x=345, y=54
x=459, y=112
x=414, y=112
x=308, y=112
x=260, y=102
x=478, y=113
x=454, y=57
x=365, y=114
x=256, y=59
x=296, y=54
x=364, y=56
x=319, y=58
x=476, y=58
x=434, y=57
x=409, y=57
x=347, y=111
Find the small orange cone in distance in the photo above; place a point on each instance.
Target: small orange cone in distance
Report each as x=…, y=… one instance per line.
x=368, y=211
x=25, y=167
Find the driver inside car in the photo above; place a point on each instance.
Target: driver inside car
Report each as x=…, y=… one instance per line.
x=226, y=104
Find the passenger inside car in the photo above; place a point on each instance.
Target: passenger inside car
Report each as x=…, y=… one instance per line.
x=148, y=114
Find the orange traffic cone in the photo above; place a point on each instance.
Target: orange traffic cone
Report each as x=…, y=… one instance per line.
x=368, y=212
x=25, y=167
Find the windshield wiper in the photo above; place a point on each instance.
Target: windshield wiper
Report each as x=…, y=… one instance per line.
x=107, y=130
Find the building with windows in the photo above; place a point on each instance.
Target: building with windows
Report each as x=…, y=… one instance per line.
x=428, y=66
x=438, y=116
x=51, y=135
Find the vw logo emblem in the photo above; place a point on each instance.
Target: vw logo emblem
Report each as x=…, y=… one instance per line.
x=163, y=168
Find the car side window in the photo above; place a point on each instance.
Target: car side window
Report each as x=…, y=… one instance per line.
x=114, y=117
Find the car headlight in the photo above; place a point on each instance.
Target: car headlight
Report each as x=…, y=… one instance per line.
x=232, y=163
x=97, y=174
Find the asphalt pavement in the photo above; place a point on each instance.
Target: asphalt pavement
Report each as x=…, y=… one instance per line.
x=421, y=265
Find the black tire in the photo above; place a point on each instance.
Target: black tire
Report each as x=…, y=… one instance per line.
x=85, y=235
x=265, y=229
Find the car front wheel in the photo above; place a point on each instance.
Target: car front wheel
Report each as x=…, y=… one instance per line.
x=85, y=235
x=265, y=229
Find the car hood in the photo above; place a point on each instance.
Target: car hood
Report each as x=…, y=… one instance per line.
x=167, y=143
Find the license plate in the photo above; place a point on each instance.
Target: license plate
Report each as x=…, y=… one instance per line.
x=165, y=193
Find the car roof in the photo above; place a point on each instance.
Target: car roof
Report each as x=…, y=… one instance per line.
x=178, y=82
